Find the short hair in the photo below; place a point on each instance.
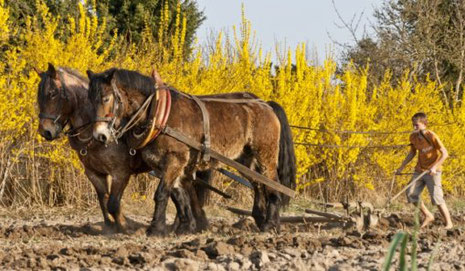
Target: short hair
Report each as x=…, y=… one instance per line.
x=420, y=117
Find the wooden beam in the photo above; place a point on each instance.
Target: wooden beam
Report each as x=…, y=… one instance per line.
x=352, y=204
x=212, y=188
x=292, y=219
x=323, y=214
x=201, y=182
x=223, y=159
x=235, y=177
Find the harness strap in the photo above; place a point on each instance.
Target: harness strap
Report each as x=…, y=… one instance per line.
x=48, y=116
x=135, y=119
x=200, y=100
x=206, y=128
x=103, y=119
x=222, y=100
x=212, y=98
x=159, y=113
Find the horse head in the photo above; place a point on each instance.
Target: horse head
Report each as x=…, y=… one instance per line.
x=116, y=95
x=56, y=100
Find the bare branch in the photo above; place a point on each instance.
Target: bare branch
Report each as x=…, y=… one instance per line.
x=350, y=26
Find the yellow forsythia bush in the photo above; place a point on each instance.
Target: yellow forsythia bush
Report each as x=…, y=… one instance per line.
x=330, y=157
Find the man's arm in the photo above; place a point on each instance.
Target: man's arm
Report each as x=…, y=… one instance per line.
x=444, y=155
x=407, y=159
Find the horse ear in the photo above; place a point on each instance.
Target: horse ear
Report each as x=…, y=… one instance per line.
x=52, y=71
x=111, y=74
x=90, y=74
x=156, y=76
x=112, y=78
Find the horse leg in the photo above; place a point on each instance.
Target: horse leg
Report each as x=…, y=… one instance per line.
x=172, y=175
x=272, y=212
x=259, y=205
x=118, y=185
x=268, y=163
x=199, y=197
x=196, y=218
x=187, y=222
x=195, y=206
x=273, y=202
x=100, y=185
x=202, y=193
x=247, y=158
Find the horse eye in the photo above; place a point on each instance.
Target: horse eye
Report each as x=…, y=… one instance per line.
x=54, y=94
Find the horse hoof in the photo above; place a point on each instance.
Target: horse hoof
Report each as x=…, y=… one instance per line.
x=156, y=231
x=109, y=228
x=202, y=225
x=185, y=228
x=122, y=230
x=266, y=227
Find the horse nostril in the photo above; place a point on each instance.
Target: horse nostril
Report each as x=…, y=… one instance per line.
x=102, y=138
x=48, y=135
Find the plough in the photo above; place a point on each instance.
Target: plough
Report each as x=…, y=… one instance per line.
x=360, y=219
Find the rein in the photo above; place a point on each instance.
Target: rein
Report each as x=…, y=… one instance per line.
x=116, y=112
x=74, y=132
x=135, y=119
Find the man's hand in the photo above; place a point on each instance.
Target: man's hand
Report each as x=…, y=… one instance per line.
x=433, y=170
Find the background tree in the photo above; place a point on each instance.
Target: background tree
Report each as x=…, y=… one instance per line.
x=132, y=17
x=20, y=9
x=423, y=36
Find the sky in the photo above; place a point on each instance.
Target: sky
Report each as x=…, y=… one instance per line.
x=289, y=22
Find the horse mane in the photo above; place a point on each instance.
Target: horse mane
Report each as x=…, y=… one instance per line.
x=129, y=80
x=44, y=79
x=75, y=73
x=135, y=80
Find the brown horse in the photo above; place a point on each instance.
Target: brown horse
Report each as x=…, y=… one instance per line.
x=63, y=100
x=257, y=134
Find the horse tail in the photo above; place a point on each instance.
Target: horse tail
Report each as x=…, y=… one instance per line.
x=286, y=162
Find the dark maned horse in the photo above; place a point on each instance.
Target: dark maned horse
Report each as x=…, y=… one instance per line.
x=63, y=99
x=256, y=134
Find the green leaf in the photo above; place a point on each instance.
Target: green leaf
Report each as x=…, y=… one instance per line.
x=399, y=237
x=403, y=249
x=431, y=258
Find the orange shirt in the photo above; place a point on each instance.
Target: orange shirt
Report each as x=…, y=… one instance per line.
x=428, y=150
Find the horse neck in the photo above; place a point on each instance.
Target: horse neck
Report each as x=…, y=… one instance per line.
x=132, y=101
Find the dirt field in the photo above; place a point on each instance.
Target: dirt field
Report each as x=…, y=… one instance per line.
x=64, y=239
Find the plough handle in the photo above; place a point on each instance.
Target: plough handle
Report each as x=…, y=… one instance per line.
x=409, y=185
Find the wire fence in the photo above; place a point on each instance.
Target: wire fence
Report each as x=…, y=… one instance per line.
x=323, y=130
x=349, y=132
x=352, y=146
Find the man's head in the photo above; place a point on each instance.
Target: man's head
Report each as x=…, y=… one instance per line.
x=419, y=121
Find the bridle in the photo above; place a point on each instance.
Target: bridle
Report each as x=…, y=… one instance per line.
x=116, y=112
x=71, y=132
x=63, y=96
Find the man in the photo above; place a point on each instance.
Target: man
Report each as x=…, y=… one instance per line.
x=431, y=155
